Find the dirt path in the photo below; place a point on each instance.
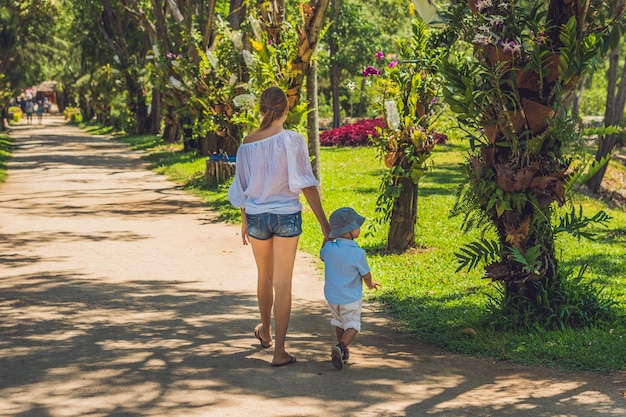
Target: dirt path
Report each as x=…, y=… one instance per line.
x=120, y=295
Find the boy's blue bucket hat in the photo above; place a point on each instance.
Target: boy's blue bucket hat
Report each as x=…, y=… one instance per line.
x=344, y=220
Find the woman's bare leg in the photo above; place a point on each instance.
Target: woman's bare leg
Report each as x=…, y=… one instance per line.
x=263, y=251
x=284, y=258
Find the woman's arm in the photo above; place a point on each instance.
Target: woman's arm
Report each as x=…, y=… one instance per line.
x=312, y=196
x=244, y=227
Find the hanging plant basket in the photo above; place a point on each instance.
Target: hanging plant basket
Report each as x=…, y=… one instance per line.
x=218, y=108
x=391, y=159
x=496, y=55
x=537, y=115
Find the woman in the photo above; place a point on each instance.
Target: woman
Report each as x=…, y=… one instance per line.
x=272, y=169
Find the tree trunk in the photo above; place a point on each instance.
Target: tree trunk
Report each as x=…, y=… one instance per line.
x=237, y=14
x=155, y=112
x=171, y=133
x=335, y=68
x=313, y=129
x=4, y=118
x=173, y=130
x=536, y=172
x=403, y=217
x=614, y=109
x=308, y=38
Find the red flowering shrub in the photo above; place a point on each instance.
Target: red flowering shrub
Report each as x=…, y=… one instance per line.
x=440, y=138
x=356, y=134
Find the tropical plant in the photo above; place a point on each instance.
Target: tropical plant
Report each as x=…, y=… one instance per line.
x=508, y=75
x=408, y=90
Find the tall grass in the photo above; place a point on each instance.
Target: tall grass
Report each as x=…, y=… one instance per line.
x=421, y=291
x=5, y=153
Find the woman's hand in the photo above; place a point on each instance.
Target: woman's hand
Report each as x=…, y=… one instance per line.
x=244, y=228
x=244, y=232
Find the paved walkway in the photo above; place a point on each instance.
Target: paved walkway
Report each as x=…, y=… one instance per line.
x=120, y=295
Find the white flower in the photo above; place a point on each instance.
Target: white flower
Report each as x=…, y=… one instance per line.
x=212, y=59
x=351, y=85
x=247, y=58
x=175, y=63
x=481, y=39
x=428, y=11
x=232, y=80
x=244, y=100
x=155, y=50
x=505, y=4
x=236, y=37
x=495, y=20
x=483, y=4
x=256, y=28
x=176, y=84
x=393, y=118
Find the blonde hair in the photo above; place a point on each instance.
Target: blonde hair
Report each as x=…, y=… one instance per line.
x=273, y=104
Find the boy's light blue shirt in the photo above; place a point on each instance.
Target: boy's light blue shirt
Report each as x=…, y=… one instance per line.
x=344, y=265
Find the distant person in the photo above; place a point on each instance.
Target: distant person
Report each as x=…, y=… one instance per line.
x=28, y=109
x=345, y=269
x=46, y=105
x=272, y=170
x=40, y=110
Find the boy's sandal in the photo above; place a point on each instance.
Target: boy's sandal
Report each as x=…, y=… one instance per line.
x=257, y=333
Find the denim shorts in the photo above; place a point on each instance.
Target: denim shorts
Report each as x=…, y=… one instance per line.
x=265, y=225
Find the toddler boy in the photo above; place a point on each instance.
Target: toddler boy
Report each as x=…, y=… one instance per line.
x=346, y=268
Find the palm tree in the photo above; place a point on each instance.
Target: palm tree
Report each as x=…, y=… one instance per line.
x=524, y=63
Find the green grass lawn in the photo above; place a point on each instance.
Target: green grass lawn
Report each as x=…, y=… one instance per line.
x=421, y=290
x=5, y=154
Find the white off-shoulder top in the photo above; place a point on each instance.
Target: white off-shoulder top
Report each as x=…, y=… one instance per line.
x=271, y=173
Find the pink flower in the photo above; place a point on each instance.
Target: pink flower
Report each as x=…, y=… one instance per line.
x=370, y=70
x=380, y=55
x=507, y=46
x=393, y=63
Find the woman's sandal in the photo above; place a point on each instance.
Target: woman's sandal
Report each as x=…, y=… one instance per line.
x=257, y=333
x=292, y=359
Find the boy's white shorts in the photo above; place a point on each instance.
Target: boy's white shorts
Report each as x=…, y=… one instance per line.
x=347, y=316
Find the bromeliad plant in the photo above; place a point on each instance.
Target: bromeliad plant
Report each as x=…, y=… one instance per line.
x=270, y=62
x=408, y=90
x=509, y=93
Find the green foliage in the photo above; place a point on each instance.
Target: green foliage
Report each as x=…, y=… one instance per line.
x=24, y=28
x=407, y=91
x=474, y=253
x=529, y=260
x=566, y=302
x=6, y=144
x=575, y=223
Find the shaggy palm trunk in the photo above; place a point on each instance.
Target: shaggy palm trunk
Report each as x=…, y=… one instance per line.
x=403, y=217
x=523, y=155
x=512, y=233
x=533, y=178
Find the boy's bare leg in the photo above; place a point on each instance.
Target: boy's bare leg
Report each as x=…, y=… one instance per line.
x=347, y=336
